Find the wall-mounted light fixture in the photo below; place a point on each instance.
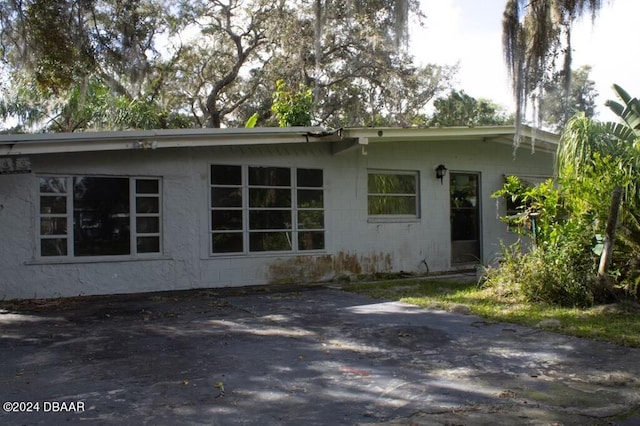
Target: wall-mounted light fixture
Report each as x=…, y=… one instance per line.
x=441, y=172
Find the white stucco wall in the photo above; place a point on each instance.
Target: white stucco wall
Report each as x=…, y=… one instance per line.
x=354, y=243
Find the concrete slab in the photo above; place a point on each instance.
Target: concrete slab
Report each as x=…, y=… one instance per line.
x=314, y=357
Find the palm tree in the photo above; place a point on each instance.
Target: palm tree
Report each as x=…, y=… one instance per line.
x=535, y=33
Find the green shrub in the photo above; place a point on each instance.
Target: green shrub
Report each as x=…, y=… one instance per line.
x=559, y=274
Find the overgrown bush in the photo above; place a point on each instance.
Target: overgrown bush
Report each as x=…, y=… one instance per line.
x=560, y=272
x=558, y=266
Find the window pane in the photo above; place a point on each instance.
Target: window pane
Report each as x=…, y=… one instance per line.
x=270, y=176
x=147, y=225
x=147, y=186
x=309, y=178
x=148, y=244
x=310, y=198
x=387, y=205
x=53, y=226
x=310, y=219
x=392, y=184
x=53, y=185
x=311, y=240
x=53, y=205
x=103, y=238
x=101, y=216
x=227, y=242
x=464, y=224
x=226, y=197
x=222, y=220
x=53, y=247
x=269, y=241
x=147, y=205
x=226, y=175
x=101, y=194
x=270, y=219
x=269, y=197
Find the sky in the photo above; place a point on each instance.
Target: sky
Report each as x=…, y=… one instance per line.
x=469, y=32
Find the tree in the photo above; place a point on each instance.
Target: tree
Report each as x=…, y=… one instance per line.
x=556, y=110
x=535, y=35
x=292, y=108
x=460, y=109
x=594, y=158
x=55, y=51
x=215, y=61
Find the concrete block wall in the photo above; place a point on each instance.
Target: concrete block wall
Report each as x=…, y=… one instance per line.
x=354, y=242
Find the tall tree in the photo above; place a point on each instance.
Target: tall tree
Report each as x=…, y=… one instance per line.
x=556, y=109
x=216, y=61
x=460, y=109
x=536, y=33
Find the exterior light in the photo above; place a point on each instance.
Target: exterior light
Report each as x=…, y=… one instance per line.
x=441, y=172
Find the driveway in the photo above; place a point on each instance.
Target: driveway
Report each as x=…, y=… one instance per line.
x=317, y=356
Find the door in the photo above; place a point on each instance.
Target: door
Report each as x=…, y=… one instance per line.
x=465, y=217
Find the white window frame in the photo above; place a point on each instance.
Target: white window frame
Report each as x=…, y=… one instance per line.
x=69, y=216
x=293, y=230
x=394, y=217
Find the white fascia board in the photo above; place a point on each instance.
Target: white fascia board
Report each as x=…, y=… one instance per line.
x=152, y=139
x=481, y=133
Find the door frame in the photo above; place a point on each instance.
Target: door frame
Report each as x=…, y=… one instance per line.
x=479, y=205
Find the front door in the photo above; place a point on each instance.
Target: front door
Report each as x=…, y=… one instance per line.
x=465, y=217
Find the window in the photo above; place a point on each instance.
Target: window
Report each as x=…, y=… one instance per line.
x=393, y=194
x=264, y=209
x=82, y=216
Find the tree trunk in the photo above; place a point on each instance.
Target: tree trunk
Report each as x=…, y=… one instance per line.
x=214, y=120
x=610, y=233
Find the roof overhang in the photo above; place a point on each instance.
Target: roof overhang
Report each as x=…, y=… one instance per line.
x=48, y=143
x=341, y=140
x=529, y=138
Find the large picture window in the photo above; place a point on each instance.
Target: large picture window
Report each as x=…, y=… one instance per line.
x=392, y=193
x=264, y=209
x=81, y=216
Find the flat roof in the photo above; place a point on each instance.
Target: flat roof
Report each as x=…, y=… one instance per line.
x=343, y=139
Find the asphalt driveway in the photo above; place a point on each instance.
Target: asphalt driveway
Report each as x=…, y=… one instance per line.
x=318, y=356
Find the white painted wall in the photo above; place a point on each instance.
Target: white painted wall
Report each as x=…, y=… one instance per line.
x=186, y=263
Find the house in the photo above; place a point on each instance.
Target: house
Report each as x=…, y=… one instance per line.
x=136, y=211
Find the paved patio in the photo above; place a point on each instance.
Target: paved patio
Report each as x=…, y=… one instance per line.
x=317, y=356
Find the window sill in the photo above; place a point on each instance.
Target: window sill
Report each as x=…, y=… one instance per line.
x=96, y=259
x=393, y=219
x=259, y=254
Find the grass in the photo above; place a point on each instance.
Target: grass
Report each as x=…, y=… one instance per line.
x=618, y=323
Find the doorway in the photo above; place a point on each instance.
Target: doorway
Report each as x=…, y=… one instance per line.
x=465, y=217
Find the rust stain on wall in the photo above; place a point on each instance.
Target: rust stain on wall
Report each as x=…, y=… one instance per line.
x=301, y=269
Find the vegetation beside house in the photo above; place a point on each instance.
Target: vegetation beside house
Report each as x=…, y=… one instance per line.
x=567, y=221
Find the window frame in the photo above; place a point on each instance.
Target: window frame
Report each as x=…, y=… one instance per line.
x=69, y=216
x=294, y=229
x=372, y=217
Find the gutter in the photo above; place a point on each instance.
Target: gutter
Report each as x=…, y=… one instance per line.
x=154, y=139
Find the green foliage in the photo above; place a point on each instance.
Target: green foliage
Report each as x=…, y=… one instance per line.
x=252, y=121
x=292, y=108
x=542, y=203
x=348, y=53
x=557, y=109
x=593, y=159
x=460, y=109
x=552, y=273
x=559, y=268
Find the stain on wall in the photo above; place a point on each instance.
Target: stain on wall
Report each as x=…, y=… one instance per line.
x=305, y=269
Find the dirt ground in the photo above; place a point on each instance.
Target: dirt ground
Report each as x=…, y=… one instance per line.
x=314, y=356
